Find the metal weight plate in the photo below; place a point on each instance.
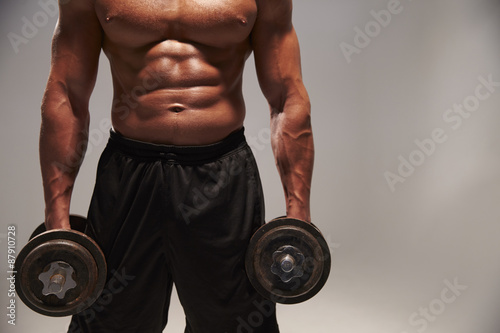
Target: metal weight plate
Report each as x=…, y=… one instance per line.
x=288, y=260
x=60, y=272
x=76, y=222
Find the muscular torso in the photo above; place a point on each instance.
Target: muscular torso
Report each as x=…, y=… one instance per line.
x=177, y=67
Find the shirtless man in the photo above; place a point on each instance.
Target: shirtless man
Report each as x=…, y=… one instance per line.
x=177, y=139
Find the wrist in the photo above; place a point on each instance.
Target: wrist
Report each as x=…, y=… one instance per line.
x=299, y=213
x=57, y=217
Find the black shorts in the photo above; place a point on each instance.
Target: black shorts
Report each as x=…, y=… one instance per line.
x=184, y=215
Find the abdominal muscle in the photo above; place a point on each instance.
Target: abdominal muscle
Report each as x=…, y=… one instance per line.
x=176, y=92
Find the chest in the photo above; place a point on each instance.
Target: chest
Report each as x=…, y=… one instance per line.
x=209, y=22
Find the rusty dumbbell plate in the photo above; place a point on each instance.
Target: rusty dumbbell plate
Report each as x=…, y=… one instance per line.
x=77, y=223
x=60, y=272
x=288, y=260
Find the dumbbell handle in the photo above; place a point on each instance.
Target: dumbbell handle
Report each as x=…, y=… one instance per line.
x=287, y=263
x=57, y=282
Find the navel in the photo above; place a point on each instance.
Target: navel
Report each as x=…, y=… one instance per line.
x=176, y=108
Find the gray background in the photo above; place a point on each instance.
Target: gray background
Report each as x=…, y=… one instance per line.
x=395, y=252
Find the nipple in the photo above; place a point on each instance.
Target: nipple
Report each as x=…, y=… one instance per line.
x=243, y=21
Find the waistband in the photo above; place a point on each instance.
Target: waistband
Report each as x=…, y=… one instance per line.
x=174, y=153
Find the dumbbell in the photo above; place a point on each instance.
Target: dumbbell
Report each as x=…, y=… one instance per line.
x=288, y=260
x=60, y=272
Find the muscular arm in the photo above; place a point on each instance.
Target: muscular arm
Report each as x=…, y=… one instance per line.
x=76, y=47
x=277, y=59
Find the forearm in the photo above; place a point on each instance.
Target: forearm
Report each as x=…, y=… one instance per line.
x=293, y=147
x=63, y=139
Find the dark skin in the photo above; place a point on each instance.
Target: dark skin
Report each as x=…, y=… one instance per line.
x=177, y=76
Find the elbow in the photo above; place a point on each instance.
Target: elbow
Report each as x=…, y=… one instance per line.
x=293, y=122
x=296, y=107
x=60, y=103
x=291, y=97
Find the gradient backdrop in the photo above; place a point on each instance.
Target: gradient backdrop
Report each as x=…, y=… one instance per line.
x=406, y=188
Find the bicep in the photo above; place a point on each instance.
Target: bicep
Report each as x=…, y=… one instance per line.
x=276, y=52
x=76, y=47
